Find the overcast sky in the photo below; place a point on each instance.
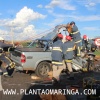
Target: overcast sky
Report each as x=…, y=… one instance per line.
x=26, y=18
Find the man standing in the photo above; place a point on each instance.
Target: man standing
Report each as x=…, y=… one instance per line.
x=85, y=42
x=57, y=59
x=68, y=51
x=76, y=38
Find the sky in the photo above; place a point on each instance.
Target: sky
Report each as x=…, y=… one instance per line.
x=24, y=19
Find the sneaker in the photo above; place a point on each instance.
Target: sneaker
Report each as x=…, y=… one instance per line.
x=6, y=75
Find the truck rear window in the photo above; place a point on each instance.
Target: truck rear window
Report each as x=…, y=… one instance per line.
x=16, y=53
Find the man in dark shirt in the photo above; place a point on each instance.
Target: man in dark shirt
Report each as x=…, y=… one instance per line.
x=76, y=38
x=57, y=59
x=68, y=51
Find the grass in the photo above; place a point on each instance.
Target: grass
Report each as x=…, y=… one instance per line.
x=97, y=52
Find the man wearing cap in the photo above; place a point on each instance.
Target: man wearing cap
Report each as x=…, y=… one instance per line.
x=76, y=38
x=68, y=51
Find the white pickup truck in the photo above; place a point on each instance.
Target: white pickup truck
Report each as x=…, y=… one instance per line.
x=37, y=56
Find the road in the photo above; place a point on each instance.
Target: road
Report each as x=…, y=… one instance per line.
x=19, y=81
x=22, y=81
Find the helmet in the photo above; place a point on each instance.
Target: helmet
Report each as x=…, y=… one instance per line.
x=1, y=38
x=72, y=22
x=68, y=38
x=84, y=36
x=60, y=36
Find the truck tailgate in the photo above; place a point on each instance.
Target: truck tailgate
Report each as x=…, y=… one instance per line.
x=16, y=56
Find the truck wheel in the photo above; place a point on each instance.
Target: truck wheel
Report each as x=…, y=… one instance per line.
x=42, y=69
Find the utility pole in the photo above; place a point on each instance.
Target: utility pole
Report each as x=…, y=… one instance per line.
x=12, y=34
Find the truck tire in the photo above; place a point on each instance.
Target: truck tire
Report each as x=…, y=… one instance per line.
x=42, y=69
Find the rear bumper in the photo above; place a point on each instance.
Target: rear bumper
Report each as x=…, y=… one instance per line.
x=23, y=67
x=18, y=67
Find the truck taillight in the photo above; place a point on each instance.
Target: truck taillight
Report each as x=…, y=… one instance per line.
x=23, y=58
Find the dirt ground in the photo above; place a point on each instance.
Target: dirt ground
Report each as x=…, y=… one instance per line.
x=19, y=81
x=22, y=81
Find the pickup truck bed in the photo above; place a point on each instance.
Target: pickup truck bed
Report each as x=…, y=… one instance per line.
x=35, y=59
